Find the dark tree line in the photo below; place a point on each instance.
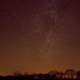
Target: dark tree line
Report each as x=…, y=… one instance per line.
x=69, y=74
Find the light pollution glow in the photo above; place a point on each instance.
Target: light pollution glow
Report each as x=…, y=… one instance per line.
x=39, y=35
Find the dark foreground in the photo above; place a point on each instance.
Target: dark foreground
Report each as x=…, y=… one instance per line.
x=37, y=77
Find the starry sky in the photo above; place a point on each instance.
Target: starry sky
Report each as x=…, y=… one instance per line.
x=39, y=35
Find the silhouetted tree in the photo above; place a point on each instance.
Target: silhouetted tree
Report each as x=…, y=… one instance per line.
x=78, y=74
x=52, y=74
x=60, y=75
x=70, y=73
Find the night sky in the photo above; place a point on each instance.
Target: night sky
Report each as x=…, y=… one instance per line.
x=39, y=35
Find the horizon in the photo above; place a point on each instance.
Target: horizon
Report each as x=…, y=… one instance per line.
x=31, y=73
